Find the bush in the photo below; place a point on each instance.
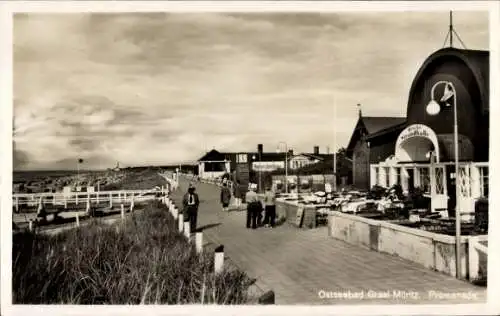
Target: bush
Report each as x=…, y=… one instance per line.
x=142, y=261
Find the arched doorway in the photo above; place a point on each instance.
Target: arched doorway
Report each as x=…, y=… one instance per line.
x=417, y=143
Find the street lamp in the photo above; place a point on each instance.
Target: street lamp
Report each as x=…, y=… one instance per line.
x=286, y=163
x=433, y=108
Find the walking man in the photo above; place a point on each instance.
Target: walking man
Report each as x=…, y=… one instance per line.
x=254, y=206
x=225, y=196
x=270, y=206
x=191, y=203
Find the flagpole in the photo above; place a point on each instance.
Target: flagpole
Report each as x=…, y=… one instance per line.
x=78, y=172
x=334, y=146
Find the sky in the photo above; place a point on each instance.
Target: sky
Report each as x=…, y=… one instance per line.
x=164, y=88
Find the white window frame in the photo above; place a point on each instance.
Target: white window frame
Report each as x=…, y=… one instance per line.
x=482, y=177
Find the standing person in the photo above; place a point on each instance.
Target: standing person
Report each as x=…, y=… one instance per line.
x=270, y=206
x=237, y=194
x=254, y=206
x=191, y=203
x=225, y=196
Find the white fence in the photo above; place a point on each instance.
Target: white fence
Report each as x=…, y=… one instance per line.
x=76, y=198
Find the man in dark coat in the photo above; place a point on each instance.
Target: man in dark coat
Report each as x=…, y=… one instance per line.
x=191, y=203
x=225, y=196
x=254, y=207
x=238, y=196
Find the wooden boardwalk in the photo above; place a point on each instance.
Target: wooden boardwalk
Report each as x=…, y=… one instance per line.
x=308, y=267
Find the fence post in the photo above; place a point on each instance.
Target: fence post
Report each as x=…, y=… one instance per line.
x=473, y=259
x=132, y=204
x=219, y=258
x=181, y=222
x=17, y=204
x=97, y=197
x=87, y=209
x=110, y=200
x=30, y=225
x=199, y=242
x=122, y=212
x=53, y=199
x=40, y=206
x=77, y=220
x=187, y=230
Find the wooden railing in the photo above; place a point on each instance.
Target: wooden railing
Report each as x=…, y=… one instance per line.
x=76, y=198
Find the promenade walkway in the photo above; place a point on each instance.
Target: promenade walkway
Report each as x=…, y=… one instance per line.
x=304, y=266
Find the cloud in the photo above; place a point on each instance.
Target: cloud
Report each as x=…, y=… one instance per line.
x=163, y=87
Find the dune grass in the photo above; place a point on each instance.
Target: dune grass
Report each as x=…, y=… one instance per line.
x=141, y=261
x=137, y=180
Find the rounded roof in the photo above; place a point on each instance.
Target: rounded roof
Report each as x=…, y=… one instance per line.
x=478, y=61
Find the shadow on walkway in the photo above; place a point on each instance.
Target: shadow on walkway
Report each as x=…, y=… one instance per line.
x=204, y=227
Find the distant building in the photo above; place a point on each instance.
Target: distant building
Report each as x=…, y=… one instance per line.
x=304, y=159
x=244, y=166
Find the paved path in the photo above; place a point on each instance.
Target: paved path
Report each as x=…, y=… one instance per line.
x=299, y=264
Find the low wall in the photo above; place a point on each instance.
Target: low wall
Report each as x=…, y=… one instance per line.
x=288, y=210
x=434, y=251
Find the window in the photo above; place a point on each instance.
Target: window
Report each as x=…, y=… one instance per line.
x=215, y=166
x=484, y=181
x=425, y=180
x=398, y=175
x=242, y=158
x=464, y=181
x=387, y=181
x=439, y=180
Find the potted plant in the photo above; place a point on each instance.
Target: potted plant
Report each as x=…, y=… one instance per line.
x=376, y=192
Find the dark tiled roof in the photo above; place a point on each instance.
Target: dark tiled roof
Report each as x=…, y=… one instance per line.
x=317, y=156
x=375, y=124
x=272, y=157
x=385, y=131
x=477, y=60
x=213, y=155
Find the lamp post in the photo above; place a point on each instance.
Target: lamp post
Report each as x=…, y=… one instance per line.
x=286, y=164
x=433, y=108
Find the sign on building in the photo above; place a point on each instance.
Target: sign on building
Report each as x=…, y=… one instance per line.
x=267, y=165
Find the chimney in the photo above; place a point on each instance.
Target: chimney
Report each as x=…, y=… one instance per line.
x=316, y=150
x=260, y=149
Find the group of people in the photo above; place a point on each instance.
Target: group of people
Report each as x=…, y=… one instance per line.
x=255, y=205
x=255, y=208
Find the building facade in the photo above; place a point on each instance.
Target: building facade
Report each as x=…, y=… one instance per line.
x=363, y=150
x=420, y=152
